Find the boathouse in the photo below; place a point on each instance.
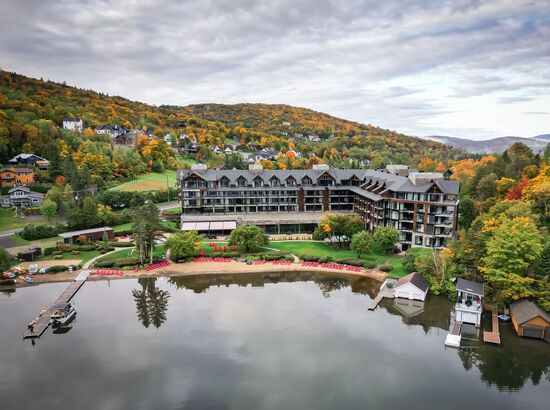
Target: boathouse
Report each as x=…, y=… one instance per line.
x=95, y=234
x=413, y=287
x=529, y=320
x=468, y=306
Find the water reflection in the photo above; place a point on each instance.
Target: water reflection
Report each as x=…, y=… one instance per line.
x=327, y=283
x=151, y=303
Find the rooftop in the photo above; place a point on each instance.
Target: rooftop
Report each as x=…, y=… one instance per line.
x=84, y=232
x=524, y=310
x=415, y=279
x=470, y=286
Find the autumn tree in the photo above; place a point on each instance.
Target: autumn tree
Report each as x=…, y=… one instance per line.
x=183, y=244
x=514, y=246
x=49, y=209
x=248, y=238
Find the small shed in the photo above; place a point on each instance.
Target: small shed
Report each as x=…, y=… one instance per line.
x=529, y=320
x=96, y=234
x=413, y=286
x=31, y=254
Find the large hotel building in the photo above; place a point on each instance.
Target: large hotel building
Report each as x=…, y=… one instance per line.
x=422, y=206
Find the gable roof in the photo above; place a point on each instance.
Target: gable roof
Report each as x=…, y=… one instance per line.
x=414, y=278
x=524, y=310
x=470, y=286
x=25, y=156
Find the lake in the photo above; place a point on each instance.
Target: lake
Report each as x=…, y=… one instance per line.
x=250, y=342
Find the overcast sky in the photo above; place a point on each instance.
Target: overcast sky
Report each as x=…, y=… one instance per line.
x=465, y=68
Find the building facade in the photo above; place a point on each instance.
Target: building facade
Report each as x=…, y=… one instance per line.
x=10, y=177
x=423, y=207
x=21, y=197
x=73, y=124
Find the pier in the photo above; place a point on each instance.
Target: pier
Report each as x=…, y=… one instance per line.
x=494, y=335
x=42, y=322
x=386, y=291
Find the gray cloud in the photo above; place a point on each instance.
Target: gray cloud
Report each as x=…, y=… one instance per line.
x=396, y=64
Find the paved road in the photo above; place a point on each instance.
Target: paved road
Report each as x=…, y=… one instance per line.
x=167, y=205
x=10, y=232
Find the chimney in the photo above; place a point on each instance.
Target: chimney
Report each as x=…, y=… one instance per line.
x=199, y=168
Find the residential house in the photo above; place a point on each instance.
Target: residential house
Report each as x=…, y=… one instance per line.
x=10, y=177
x=21, y=196
x=217, y=150
x=228, y=149
x=128, y=138
x=30, y=159
x=95, y=234
x=112, y=130
x=73, y=124
x=314, y=138
x=168, y=139
x=529, y=320
x=191, y=148
x=412, y=286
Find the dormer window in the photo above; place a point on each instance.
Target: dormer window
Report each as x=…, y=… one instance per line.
x=241, y=182
x=274, y=181
x=290, y=181
x=258, y=182
x=224, y=182
x=306, y=181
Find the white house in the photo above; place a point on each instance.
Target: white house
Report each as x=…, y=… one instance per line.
x=73, y=124
x=469, y=302
x=413, y=286
x=168, y=139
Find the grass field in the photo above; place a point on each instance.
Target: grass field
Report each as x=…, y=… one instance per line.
x=149, y=182
x=8, y=220
x=129, y=225
x=129, y=252
x=84, y=255
x=320, y=249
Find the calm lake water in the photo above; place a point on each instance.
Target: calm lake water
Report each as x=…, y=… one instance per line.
x=283, y=342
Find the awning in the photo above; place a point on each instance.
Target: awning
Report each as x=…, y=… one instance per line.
x=208, y=226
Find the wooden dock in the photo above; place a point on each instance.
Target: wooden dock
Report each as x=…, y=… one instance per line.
x=494, y=335
x=385, y=292
x=42, y=322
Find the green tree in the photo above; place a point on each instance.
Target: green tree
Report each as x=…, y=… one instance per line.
x=147, y=228
x=385, y=238
x=89, y=213
x=362, y=243
x=4, y=259
x=514, y=246
x=183, y=244
x=542, y=266
x=466, y=212
x=49, y=209
x=248, y=238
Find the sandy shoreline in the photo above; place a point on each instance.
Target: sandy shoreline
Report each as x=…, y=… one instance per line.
x=201, y=269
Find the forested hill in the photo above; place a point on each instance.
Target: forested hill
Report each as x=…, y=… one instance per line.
x=31, y=114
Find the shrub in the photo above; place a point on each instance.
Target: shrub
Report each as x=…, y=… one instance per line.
x=323, y=259
x=368, y=264
x=75, y=252
x=85, y=248
x=120, y=263
x=124, y=232
x=33, y=232
x=232, y=254
x=56, y=253
x=121, y=244
x=58, y=256
x=57, y=268
x=104, y=264
x=50, y=250
x=273, y=256
x=289, y=258
x=352, y=261
x=385, y=268
x=309, y=258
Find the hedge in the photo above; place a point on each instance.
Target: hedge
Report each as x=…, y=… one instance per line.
x=385, y=268
x=57, y=268
x=32, y=232
x=369, y=265
x=120, y=244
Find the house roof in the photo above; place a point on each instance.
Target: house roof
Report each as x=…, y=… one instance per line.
x=84, y=232
x=25, y=156
x=416, y=280
x=72, y=119
x=16, y=169
x=524, y=310
x=470, y=286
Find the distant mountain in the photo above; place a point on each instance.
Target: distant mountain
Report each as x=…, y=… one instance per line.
x=542, y=137
x=496, y=145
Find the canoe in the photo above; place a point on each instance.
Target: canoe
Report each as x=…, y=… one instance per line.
x=26, y=279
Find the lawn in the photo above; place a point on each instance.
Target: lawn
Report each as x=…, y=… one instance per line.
x=129, y=252
x=84, y=255
x=320, y=249
x=8, y=220
x=210, y=250
x=149, y=182
x=128, y=226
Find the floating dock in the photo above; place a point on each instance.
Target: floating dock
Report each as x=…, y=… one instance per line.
x=386, y=291
x=494, y=335
x=454, y=336
x=42, y=322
